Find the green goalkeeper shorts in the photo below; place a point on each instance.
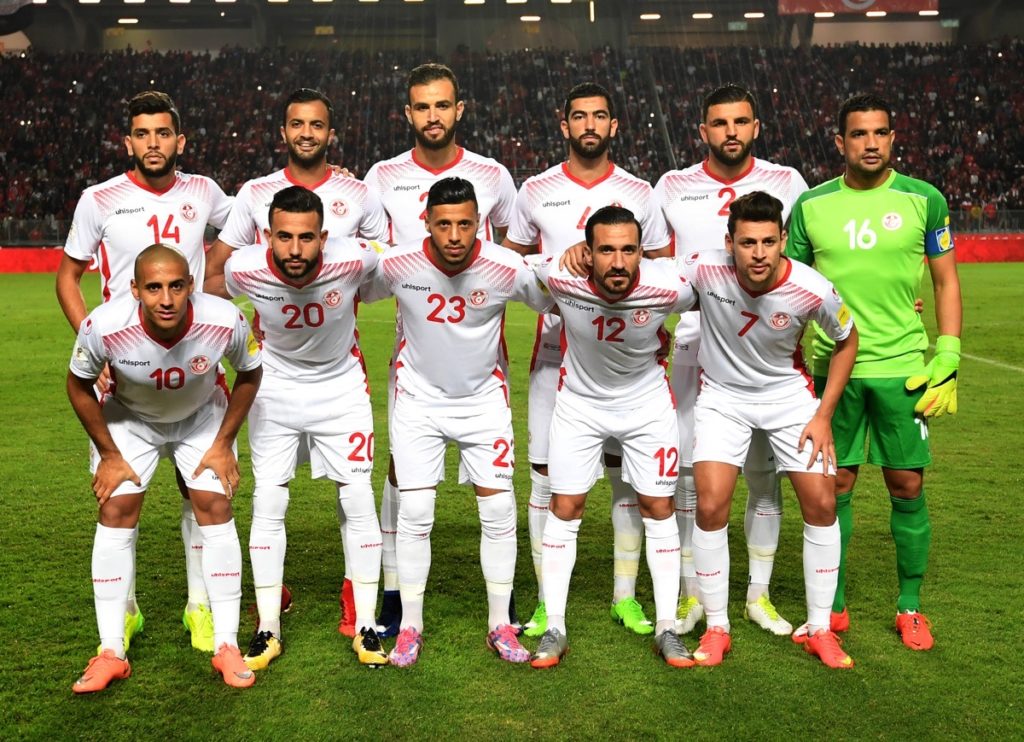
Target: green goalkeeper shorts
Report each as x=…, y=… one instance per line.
x=875, y=422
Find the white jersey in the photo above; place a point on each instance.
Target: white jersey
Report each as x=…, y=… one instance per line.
x=614, y=351
x=163, y=381
x=402, y=183
x=750, y=343
x=309, y=328
x=117, y=219
x=696, y=202
x=350, y=208
x=452, y=322
x=552, y=210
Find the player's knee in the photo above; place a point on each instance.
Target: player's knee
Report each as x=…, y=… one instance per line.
x=658, y=508
x=764, y=489
x=761, y=553
x=121, y=511
x=497, y=515
x=568, y=507
x=211, y=508
x=905, y=484
x=269, y=502
x=541, y=469
x=356, y=500
x=416, y=514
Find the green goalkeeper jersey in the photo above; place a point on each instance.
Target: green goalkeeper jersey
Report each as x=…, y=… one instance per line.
x=871, y=245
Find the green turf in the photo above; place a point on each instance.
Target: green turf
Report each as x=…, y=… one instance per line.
x=610, y=686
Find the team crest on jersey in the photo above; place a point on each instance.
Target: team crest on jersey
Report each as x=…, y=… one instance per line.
x=332, y=298
x=892, y=221
x=339, y=207
x=641, y=317
x=478, y=297
x=691, y=258
x=199, y=365
x=780, y=320
x=188, y=212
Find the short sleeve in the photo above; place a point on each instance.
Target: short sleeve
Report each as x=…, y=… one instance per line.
x=243, y=351
x=88, y=357
x=220, y=206
x=833, y=316
x=798, y=246
x=86, y=231
x=505, y=205
x=522, y=230
x=374, y=223
x=240, y=228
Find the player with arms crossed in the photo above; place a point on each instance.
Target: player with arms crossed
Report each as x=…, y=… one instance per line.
x=163, y=344
x=403, y=182
x=452, y=289
x=552, y=210
x=868, y=231
x=150, y=203
x=612, y=385
x=755, y=304
x=695, y=201
x=304, y=291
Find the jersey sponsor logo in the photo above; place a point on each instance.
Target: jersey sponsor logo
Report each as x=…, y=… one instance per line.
x=339, y=207
x=264, y=297
x=695, y=197
x=578, y=305
x=553, y=204
x=199, y=365
x=780, y=321
x=641, y=317
x=892, y=221
x=131, y=362
x=692, y=258
x=188, y=212
x=406, y=188
x=477, y=297
x=414, y=287
x=332, y=298
x=723, y=299
x=120, y=212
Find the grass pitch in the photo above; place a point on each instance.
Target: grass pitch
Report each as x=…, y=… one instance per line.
x=610, y=686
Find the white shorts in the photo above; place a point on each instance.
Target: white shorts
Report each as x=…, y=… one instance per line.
x=685, y=386
x=648, y=435
x=142, y=444
x=420, y=433
x=724, y=427
x=331, y=418
x=540, y=406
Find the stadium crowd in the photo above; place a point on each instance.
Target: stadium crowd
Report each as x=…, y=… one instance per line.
x=959, y=111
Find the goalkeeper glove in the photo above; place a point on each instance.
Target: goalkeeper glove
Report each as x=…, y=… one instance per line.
x=939, y=379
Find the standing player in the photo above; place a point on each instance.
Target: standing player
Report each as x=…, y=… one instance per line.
x=868, y=231
x=304, y=292
x=612, y=385
x=350, y=209
x=403, y=182
x=755, y=305
x=150, y=203
x=696, y=202
x=551, y=213
x=163, y=346
x=452, y=289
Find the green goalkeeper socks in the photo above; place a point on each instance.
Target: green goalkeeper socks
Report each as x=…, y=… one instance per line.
x=912, y=533
x=844, y=513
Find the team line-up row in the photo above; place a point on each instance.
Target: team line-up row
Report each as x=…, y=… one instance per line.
x=597, y=374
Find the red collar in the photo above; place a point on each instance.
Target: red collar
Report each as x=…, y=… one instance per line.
x=473, y=254
x=459, y=152
x=727, y=181
x=143, y=186
x=597, y=289
x=591, y=184
x=782, y=279
x=290, y=179
x=173, y=341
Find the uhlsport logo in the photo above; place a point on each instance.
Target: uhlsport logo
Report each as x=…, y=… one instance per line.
x=199, y=365
x=188, y=212
x=332, y=298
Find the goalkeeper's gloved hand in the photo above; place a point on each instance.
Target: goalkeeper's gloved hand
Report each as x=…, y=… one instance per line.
x=939, y=379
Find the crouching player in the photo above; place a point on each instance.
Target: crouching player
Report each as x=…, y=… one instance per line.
x=163, y=345
x=754, y=306
x=612, y=386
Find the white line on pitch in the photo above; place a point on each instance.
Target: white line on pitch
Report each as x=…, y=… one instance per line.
x=989, y=361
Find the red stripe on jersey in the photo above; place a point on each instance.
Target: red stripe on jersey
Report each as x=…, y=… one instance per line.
x=561, y=378
x=222, y=382
x=362, y=364
x=585, y=184
x=504, y=387
x=105, y=271
x=257, y=331
x=801, y=367
x=672, y=244
x=536, y=342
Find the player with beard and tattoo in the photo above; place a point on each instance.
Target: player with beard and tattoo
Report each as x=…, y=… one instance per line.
x=113, y=222
x=403, y=182
x=551, y=215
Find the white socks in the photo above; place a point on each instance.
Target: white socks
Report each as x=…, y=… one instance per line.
x=663, y=562
x=388, y=531
x=560, y=537
x=686, y=514
x=415, y=521
x=267, y=546
x=193, y=542
x=536, y=516
x=113, y=577
x=222, y=568
x=362, y=548
x=498, y=553
x=711, y=559
x=821, y=573
x=761, y=525
x=628, y=529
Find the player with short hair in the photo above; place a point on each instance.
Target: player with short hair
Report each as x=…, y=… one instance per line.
x=452, y=289
x=163, y=345
x=150, y=203
x=303, y=288
x=552, y=210
x=755, y=305
x=402, y=183
x=870, y=231
x=695, y=201
x=612, y=385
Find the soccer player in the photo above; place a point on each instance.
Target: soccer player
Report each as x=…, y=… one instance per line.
x=869, y=231
x=304, y=289
x=163, y=345
x=612, y=385
x=150, y=203
x=552, y=210
x=755, y=304
x=351, y=208
x=452, y=289
x=402, y=183
x=695, y=201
